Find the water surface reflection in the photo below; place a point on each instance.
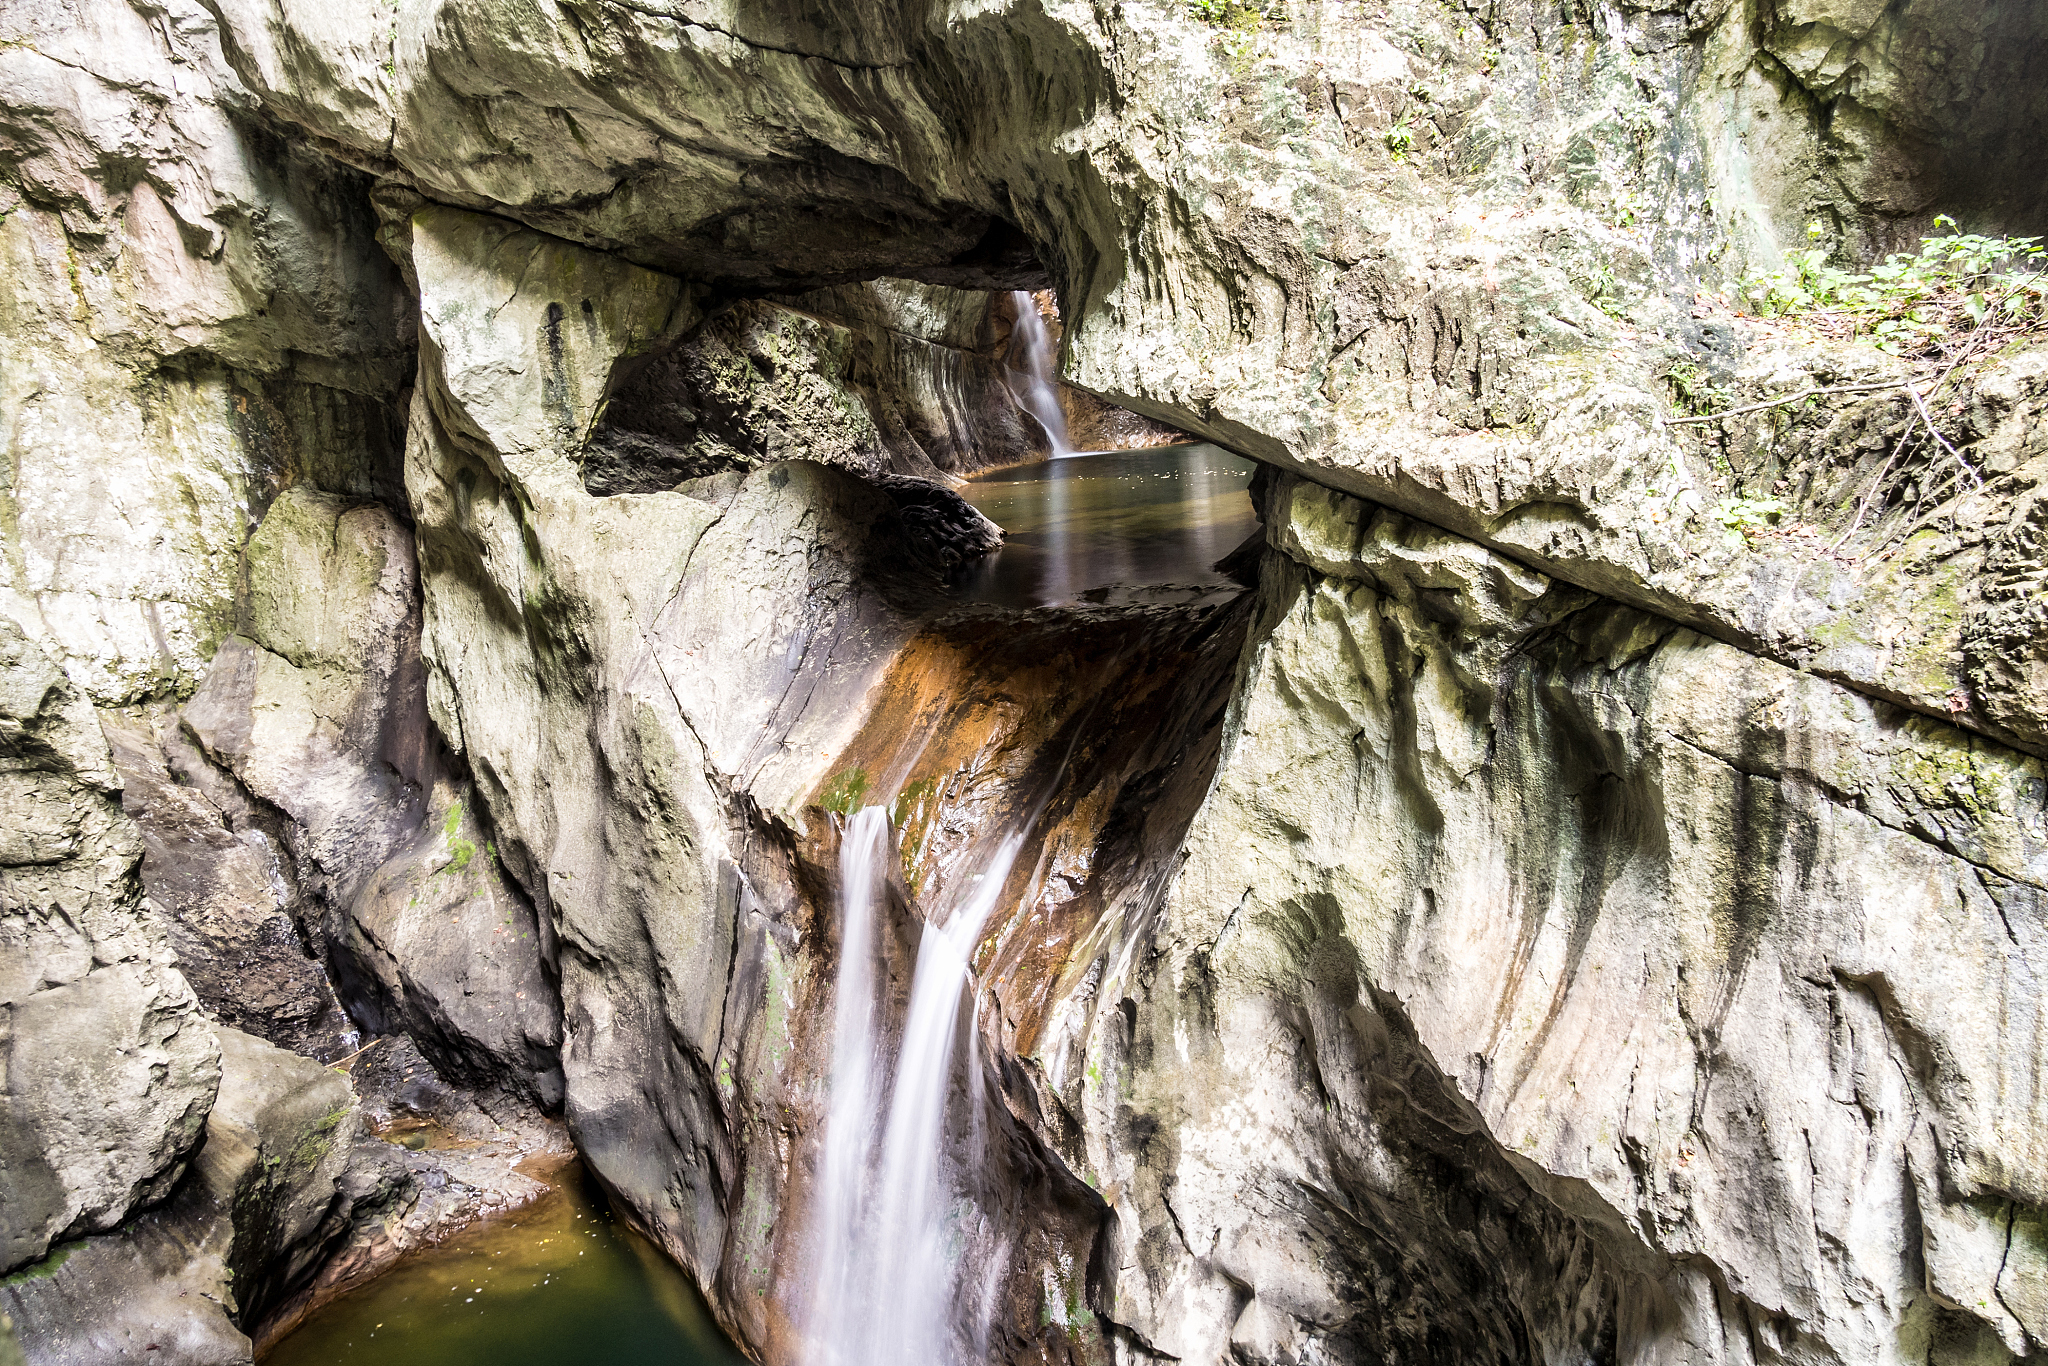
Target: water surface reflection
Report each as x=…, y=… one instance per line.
x=558, y=1281
x=1112, y=526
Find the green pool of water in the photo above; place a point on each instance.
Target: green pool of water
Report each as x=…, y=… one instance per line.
x=558, y=1281
x=1096, y=527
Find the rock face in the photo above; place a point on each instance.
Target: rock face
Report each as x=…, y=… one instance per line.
x=437, y=946
x=219, y=872
x=100, y=1034
x=487, y=467
x=200, y=315
x=256, y=1215
x=890, y=377
x=1905, y=136
x=1623, y=972
x=317, y=710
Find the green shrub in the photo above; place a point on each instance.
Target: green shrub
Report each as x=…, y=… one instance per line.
x=1741, y=518
x=1910, y=304
x=1237, y=14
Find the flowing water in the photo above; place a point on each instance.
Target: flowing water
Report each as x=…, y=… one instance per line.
x=1035, y=390
x=558, y=1280
x=561, y=1280
x=836, y=1300
x=1111, y=526
x=889, y=1217
x=886, y=1280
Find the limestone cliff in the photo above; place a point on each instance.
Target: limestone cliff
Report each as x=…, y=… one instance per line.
x=488, y=467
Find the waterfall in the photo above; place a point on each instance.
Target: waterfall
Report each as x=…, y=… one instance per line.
x=885, y=1283
x=840, y=1291
x=1041, y=396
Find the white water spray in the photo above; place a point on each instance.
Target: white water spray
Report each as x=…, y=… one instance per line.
x=885, y=1280
x=839, y=1294
x=1040, y=396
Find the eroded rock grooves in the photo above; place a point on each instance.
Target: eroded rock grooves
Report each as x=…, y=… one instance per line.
x=480, y=500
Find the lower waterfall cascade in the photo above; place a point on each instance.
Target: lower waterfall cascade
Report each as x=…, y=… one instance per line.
x=885, y=1281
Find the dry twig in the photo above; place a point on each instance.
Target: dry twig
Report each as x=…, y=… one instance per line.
x=1789, y=398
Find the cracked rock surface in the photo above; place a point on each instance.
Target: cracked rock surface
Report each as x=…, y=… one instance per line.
x=479, y=490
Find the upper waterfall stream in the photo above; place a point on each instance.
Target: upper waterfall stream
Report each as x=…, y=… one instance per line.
x=1037, y=391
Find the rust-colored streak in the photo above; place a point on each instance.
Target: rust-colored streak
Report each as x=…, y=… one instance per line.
x=1092, y=731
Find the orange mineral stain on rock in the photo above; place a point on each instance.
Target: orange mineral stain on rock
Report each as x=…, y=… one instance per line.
x=1090, y=730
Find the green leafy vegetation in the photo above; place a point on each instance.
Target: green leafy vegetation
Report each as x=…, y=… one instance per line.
x=1911, y=305
x=1695, y=393
x=1240, y=23
x=1235, y=14
x=1741, y=518
x=1961, y=300
x=1400, y=140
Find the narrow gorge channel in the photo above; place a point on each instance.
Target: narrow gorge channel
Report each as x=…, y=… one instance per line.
x=1024, y=682
x=999, y=799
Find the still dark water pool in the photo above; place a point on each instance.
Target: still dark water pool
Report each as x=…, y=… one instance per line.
x=1112, y=526
x=558, y=1281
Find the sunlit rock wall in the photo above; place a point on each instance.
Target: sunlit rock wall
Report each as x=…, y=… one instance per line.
x=107, y=1065
x=1546, y=981
x=1608, y=937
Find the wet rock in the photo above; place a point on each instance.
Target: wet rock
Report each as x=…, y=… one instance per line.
x=942, y=530
x=934, y=368
x=701, y=652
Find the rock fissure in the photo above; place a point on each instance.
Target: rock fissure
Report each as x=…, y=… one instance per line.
x=1854, y=801
x=1555, y=788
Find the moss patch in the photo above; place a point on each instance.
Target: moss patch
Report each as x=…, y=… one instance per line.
x=462, y=850
x=914, y=812
x=47, y=1267
x=845, y=793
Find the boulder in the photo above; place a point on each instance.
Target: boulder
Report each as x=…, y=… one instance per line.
x=253, y=1218
x=107, y=1065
